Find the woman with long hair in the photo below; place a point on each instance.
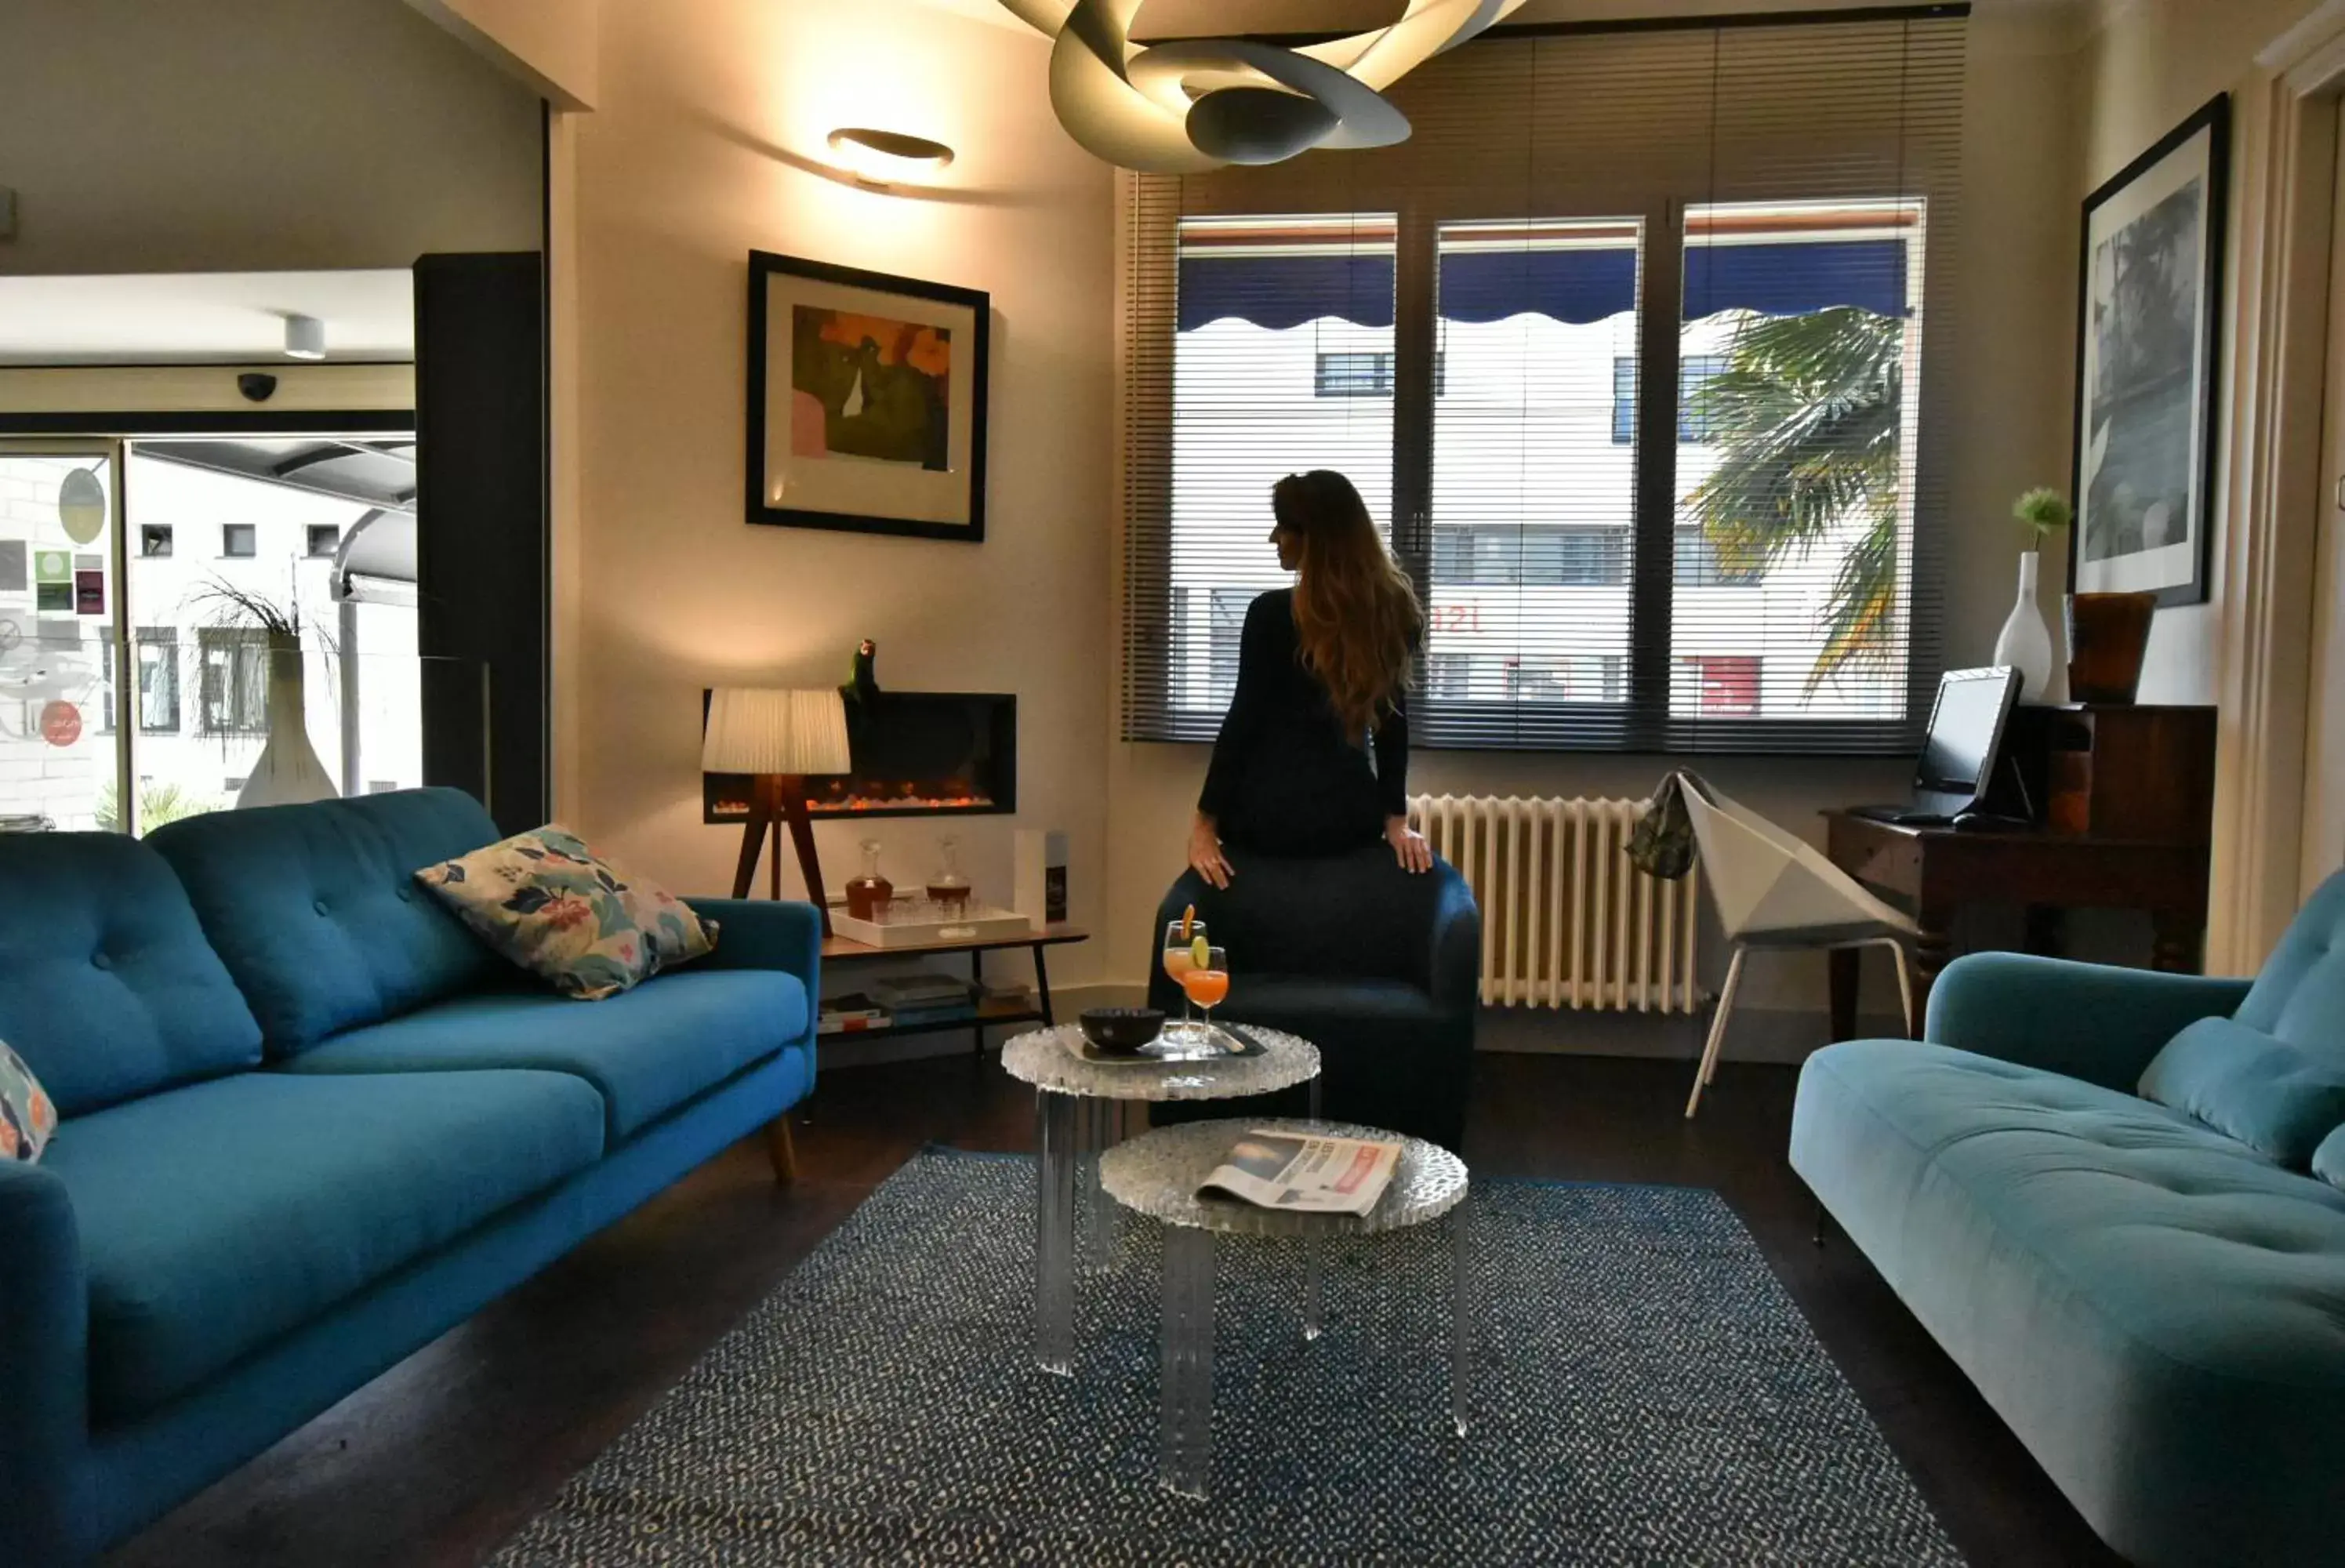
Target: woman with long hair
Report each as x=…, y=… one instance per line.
x=1312, y=757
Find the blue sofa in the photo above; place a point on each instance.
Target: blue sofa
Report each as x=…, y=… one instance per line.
x=2157, y=1309
x=1379, y=968
x=309, y=1123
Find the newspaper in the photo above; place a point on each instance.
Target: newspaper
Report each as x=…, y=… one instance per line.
x=1306, y=1175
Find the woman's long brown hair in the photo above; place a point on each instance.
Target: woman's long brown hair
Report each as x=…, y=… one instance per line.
x=1356, y=612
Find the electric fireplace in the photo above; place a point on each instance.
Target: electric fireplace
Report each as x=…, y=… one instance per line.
x=915, y=754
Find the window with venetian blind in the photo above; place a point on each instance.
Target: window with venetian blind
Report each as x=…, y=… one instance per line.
x=1625, y=348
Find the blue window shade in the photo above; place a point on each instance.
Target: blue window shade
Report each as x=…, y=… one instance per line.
x=1624, y=400
x=1282, y=291
x=1792, y=279
x=1575, y=286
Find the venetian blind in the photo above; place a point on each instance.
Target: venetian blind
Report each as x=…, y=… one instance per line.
x=1625, y=346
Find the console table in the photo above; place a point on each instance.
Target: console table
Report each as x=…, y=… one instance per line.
x=988, y=1015
x=1936, y=871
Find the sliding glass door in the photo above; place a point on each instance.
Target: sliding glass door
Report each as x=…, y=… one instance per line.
x=170, y=609
x=60, y=581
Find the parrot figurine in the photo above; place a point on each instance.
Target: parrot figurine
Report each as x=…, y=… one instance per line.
x=862, y=687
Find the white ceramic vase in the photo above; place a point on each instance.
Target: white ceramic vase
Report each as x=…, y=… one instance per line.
x=288, y=772
x=2025, y=641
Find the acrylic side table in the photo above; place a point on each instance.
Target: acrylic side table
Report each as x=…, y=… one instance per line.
x=1158, y=1173
x=1079, y=1108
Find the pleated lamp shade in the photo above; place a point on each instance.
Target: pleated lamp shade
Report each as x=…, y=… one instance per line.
x=767, y=729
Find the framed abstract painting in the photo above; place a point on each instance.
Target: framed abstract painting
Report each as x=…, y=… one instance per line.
x=2148, y=325
x=866, y=400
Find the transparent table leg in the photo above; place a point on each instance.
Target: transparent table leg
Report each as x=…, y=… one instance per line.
x=1461, y=1312
x=1313, y=1314
x=1315, y=1097
x=1099, y=1116
x=1054, y=1240
x=1187, y=1452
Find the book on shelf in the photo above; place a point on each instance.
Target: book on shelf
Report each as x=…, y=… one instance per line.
x=904, y=993
x=1305, y=1174
x=850, y=1013
x=943, y=1013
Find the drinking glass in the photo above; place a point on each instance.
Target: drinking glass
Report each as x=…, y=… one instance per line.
x=1206, y=986
x=1180, y=957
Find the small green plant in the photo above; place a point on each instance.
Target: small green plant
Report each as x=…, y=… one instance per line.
x=2042, y=512
x=159, y=802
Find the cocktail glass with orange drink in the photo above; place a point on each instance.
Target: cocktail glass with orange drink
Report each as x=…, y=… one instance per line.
x=1181, y=938
x=1207, y=979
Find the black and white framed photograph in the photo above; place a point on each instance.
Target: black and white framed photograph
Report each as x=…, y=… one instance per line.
x=2148, y=337
x=866, y=400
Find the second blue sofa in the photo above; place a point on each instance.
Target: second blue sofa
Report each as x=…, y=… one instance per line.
x=310, y=1124
x=2156, y=1309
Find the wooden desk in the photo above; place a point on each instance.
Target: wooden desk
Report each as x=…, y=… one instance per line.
x=1934, y=871
x=988, y=1015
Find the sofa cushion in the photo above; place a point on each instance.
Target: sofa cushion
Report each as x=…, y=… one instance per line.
x=2096, y=1195
x=107, y=987
x=646, y=1051
x=216, y=1217
x=2278, y=1099
x=28, y=1116
x=2300, y=995
x=546, y=902
x=2329, y=1159
x=316, y=910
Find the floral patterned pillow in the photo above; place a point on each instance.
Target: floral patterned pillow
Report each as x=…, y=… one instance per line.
x=548, y=903
x=28, y=1119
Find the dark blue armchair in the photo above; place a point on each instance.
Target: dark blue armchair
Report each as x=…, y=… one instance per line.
x=1378, y=969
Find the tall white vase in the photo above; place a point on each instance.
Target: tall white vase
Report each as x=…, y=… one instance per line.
x=2026, y=641
x=288, y=772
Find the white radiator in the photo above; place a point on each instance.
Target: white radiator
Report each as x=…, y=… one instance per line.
x=1567, y=921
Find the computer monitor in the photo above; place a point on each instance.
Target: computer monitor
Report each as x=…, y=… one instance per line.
x=1965, y=738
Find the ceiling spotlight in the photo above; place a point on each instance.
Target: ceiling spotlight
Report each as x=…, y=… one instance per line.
x=883, y=158
x=305, y=338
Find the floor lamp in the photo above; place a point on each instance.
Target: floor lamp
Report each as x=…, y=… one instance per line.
x=778, y=737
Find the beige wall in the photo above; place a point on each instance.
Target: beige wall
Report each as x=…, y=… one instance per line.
x=2146, y=66
x=709, y=115
x=2010, y=412
x=156, y=136
x=554, y=46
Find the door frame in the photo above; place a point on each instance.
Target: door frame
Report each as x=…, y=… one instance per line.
x=2288, y=124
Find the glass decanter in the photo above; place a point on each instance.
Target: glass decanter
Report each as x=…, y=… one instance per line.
x=867, y=894
x=947, y=888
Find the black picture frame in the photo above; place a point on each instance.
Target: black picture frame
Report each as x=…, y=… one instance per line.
x=921, y=300
x=2177, y=573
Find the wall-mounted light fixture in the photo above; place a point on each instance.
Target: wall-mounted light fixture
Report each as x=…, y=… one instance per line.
x=885, y=157
x=305, y=338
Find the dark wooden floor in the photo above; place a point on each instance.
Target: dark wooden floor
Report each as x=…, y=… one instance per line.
x=437, y=1461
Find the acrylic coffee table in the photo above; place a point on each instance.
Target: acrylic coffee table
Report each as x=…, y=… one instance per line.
x=1079, y=1110
x=1157, y=1174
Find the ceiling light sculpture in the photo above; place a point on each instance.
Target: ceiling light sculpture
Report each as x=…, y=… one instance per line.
x=1199, y=104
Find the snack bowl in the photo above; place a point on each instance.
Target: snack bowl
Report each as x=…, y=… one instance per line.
x=1120, y=1031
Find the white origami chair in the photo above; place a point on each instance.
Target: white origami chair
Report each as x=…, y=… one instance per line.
x=1773, y=889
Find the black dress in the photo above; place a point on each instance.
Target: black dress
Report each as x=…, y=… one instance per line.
x=1284, y=780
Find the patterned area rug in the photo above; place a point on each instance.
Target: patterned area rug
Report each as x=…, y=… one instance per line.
x=1645, y=1392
